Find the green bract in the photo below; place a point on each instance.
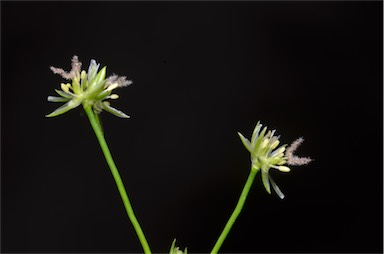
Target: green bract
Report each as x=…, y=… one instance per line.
x=91, y=89
x=266, y=155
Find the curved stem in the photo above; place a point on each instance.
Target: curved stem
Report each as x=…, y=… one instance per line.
x=119, y=183
x=236, y=212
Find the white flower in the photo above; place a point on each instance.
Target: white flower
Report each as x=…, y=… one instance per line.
x=266, y=154
x=89, y=89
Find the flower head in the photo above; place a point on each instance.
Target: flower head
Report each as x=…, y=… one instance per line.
x=90, y=88
x=266, y=154
x=176, y=250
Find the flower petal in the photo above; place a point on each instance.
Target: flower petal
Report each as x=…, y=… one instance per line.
x=256, y=143
x=171, y=251
x=95, y=89
x=64, y=94
x=100, y=76
x=265, y=178
x=113, y=111
x=92, y=70
x=256, y=131
x=102, y=95
x=57, y=99
x=276, y=188
x=64, y=108
x=246, y=142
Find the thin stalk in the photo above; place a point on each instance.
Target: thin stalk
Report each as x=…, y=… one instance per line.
x=236, y=212
x=119, y=183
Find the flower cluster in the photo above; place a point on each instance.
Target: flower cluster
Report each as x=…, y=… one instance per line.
x=90, y=89
x=266, y=154
x=176, y=250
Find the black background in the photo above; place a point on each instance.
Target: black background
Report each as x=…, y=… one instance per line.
x=202, y=71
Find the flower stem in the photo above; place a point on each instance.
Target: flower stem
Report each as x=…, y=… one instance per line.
x=119, y=183
x=236, y=212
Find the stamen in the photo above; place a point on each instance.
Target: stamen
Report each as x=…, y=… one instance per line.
x=111, y=87
x=284, y=169
x=65, y=87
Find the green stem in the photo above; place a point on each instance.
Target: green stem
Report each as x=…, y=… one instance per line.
x=236, y=212
x=119, y=183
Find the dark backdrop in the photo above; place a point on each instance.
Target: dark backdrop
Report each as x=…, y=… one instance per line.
x=202, y=71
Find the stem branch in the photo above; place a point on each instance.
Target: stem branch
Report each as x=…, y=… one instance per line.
x=236, y=212
x=119, y=183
